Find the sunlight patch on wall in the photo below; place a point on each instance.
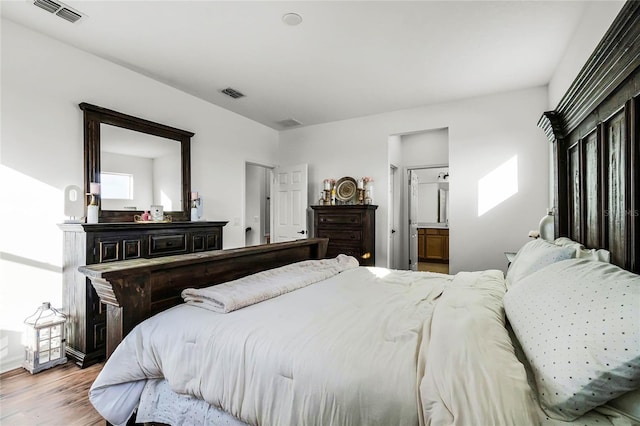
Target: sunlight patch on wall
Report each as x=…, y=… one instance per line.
x=30, y=268
x=498, y=185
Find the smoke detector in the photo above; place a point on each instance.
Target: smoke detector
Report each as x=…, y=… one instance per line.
x=59, y=9
x=292, y=19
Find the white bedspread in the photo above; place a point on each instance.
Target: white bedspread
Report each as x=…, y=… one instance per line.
x=369, y=346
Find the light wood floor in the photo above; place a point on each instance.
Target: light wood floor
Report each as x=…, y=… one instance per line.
x=58, y=396
x=442, y=268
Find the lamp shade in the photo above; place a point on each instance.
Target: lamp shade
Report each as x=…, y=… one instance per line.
x=94, y=188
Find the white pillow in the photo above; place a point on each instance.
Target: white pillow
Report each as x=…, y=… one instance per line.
x=565, y=241
x=578, y=323
x=535, y=255
x=600, y=255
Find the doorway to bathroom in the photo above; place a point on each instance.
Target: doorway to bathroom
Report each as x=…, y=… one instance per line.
x=429, y=219
x=419, y=163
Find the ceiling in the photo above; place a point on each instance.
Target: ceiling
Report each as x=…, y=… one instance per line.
x=346, y=59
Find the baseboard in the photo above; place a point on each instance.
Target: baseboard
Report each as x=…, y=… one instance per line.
x=10, y=364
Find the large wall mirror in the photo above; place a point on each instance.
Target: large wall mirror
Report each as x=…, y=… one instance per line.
x=138, y=163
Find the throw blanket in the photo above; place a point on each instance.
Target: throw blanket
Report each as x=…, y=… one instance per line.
x=265, y=285
x=363, y=347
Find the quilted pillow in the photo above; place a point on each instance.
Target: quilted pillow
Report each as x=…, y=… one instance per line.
x=578, y=323
x=534, y=255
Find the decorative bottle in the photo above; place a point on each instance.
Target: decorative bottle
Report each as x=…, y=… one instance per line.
x=546, y=226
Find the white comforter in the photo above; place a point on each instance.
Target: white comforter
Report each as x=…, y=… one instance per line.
x=369, y=346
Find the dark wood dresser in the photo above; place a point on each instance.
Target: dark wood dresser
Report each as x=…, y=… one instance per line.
x=351, y=230
x=87, y=244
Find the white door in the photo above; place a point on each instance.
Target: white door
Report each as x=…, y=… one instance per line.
x=413, y=220
x=290, y=206
x=391, y=259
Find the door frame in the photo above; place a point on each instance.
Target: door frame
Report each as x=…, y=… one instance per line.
x=406, y=232
x=270, y=168
x=393, y=236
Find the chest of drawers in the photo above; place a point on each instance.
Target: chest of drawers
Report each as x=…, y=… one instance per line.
x=87, y=244
x=351, y=230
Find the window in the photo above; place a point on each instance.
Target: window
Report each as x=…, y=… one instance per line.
x=116, y=186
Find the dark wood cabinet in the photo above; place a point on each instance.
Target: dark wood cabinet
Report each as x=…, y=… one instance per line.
x=87, y=244
x=422, y=245
x=351, y=230
x=433, y=244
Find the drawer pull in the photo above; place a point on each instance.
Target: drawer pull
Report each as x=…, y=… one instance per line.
x=161, y=244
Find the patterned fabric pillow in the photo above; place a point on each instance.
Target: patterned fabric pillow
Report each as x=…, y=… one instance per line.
x=535, y=255
x=578, y=323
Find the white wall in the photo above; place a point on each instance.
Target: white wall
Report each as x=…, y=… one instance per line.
x=425, y=148
x=483, y=133
x=41, y=152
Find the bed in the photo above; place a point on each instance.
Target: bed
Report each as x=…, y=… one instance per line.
x=278, y=335
x=326, y=341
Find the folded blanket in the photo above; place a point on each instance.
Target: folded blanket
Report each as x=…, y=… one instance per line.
x=236, y=294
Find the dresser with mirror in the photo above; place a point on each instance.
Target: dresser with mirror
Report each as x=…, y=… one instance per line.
x=154, y=160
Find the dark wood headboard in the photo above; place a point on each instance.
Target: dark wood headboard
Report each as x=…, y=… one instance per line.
x=134, y=290
x=595, y=134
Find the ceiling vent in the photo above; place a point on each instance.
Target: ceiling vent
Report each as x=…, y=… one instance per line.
x=232, y=93
x=59, y=9
x=289, y=122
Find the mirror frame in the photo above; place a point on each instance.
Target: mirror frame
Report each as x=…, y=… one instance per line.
x=94, y=116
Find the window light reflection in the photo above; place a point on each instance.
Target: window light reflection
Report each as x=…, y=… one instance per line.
x=498, y=185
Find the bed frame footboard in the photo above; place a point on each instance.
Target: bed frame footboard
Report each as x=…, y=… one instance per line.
x=134, y=290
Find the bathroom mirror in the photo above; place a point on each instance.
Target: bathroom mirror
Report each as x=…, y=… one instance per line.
x=139, y=163
x=433, y=196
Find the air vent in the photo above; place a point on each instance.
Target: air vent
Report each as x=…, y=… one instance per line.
x=289, y=122
x=68, y=14
x=48, y=5
x=232, y=92
x=59, y=9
